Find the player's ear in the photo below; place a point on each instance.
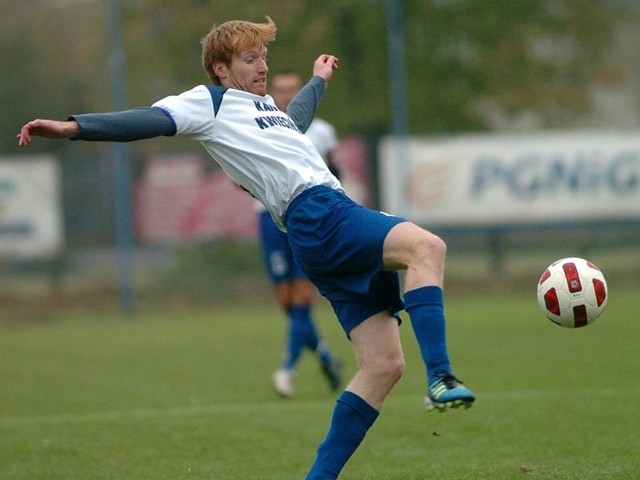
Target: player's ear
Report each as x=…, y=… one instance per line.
x=220, y=69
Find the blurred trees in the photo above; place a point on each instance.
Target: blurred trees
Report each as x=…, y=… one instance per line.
x=471, y=64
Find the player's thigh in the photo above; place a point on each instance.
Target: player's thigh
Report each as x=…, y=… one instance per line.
x=405, y=242
x=376, y=342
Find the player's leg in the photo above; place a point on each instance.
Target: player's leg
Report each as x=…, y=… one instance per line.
x=301, y=297
x=283, y=378
x=376, y=343
x=422, y=255
x=303, y=293
x=277, y=260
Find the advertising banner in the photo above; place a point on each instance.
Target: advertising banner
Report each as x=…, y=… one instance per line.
x=177, y=201
x=512, y=179
x=31, y=223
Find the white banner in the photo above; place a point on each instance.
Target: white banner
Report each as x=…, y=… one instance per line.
x=507, y=179
x=30, y=207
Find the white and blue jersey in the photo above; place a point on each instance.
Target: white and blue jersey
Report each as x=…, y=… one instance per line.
x=256, y=145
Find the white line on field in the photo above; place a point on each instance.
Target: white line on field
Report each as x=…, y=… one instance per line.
x=157, y=412
x=262, y=407
x=153, y=412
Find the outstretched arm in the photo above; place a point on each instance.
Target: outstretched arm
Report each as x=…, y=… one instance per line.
x=303, y=106
x=125, y=126
x=47, y=129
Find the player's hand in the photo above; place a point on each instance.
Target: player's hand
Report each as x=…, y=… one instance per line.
x=324, y=66
x=48, y=129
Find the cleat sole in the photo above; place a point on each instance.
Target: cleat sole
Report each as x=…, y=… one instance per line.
x=430, y=405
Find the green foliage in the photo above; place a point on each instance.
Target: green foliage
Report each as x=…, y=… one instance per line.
x=184, y=394
x=516, y=56
x=466, y=59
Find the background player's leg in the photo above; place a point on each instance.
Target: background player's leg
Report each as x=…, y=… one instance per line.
x=302, y=295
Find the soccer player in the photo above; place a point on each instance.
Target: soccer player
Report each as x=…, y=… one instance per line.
x=294, y=291
x=351, y=253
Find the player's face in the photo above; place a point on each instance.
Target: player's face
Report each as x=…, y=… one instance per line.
x=247, y=71
x=284, y=87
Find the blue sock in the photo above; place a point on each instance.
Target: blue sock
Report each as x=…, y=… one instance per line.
x=323, y=353
x=306, y=335
x=302, y=314
x=312, y=339
x=352, y=417
x=425, y=306
x=299, y=320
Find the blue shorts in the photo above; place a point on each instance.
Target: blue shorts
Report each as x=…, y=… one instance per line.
x=276, y=252
x=339, y=245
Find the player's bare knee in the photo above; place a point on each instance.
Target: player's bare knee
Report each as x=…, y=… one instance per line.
x=396, y=368
x=386, y=370
x=392, y=369
x=430, y=248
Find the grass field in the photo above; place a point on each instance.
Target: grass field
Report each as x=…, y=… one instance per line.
x=178, y=394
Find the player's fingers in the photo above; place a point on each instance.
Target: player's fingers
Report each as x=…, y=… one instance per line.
x=326, y=58
x=24, y=137
x=329, y=60
x=34, y=127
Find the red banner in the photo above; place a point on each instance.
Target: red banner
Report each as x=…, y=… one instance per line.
x=177, y=201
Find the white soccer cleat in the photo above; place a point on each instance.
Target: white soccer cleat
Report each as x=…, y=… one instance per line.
x=282, y=381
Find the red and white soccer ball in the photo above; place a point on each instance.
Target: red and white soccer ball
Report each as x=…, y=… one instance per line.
x=572, y=292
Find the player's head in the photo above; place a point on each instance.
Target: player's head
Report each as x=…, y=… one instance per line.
x=284, y=86
x=234, y=54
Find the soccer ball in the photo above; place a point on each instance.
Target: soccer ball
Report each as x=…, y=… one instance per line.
x=572, y=292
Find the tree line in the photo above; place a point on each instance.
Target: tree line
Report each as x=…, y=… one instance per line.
x=471, y=65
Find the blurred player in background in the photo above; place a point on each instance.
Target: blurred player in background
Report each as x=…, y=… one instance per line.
x=294, y=291
x=351, y=253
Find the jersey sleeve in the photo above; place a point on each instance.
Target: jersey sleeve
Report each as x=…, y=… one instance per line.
x=124, y=126
x=191, y=111
x=303, y=106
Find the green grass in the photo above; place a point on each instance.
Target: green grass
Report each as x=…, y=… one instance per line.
x=178, y=394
